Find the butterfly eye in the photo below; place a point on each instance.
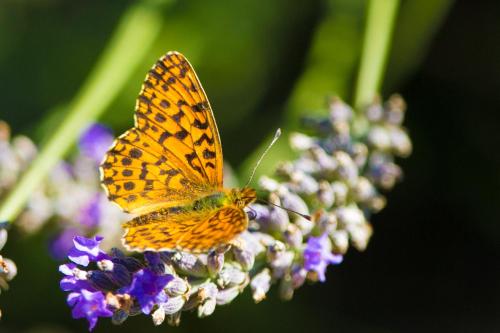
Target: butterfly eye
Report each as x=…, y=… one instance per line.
x=252, y=214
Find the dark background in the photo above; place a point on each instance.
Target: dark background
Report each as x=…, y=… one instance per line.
x=432, y=264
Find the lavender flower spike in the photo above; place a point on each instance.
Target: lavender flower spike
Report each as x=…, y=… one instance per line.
x=318, y=255
x=336, y=180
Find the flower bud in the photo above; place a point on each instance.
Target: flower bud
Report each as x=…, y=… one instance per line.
x=173, y=305
x=400, y=142
x=300, y=141
x=262, y=216
x=24, y=148
x=303, y=183
x=383, y=171
x=395, y=110
x=377, y=203
x=207, y=294
x=360, y=235
x=285, y=170
x=268, y=184
x=260, y=285
x=379, y=138
x=177, y=287
x=158, y=316
x=339, y=111
x=226, y=296
x=244, y=257
x=281, y=263
x=3, y=238
x=274, y=249
x=231, y=276
x=308, y=165
x=286, y=288
x=350, y=215
x=293, y=202
x=207, y=290
x=105, y=265
x=340, y=191
x=347, y=170
x=278, y=218
x=374, y=112
x=293, y=236
x=253, y=242
x=298, y=276
x=359, y=154
x=364, y=190
x=326, y=163
x=340, y=241
x=215, y=261
x=325, y=195
x=9, y=268
x=187, y=263
x=326, y=222
x=207, y=308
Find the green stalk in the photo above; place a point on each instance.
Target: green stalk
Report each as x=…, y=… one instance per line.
x=381, y=15
x=131, y=40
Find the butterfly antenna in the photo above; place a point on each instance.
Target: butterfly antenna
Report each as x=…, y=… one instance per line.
x=307, y=217
x=275, y=138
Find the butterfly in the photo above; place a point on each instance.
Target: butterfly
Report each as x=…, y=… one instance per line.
x=167, y=169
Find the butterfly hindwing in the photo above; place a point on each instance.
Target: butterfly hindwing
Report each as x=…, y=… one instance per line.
x=220, y=227
x=194, y=231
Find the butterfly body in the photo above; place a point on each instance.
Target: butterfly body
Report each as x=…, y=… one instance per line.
x=167, y=169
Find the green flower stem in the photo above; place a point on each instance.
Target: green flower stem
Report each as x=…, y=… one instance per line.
x=381, y=16
x=133, y=37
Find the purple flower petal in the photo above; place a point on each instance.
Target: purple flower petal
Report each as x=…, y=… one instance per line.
x=72, y=298
x=90, y=305
x=60, y=245
x=317, y=255
x=67, y=269
x=86, y=250
x=90, y=214
x=147, y=288
x=95, y=141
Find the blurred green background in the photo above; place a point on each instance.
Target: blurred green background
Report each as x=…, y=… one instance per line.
x=432, y=265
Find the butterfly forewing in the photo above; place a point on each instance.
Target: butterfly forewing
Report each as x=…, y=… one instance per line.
x=173, y=154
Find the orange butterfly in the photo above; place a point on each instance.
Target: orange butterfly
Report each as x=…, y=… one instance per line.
x=168, y=168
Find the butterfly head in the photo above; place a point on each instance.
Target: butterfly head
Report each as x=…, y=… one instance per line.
x=243, y=197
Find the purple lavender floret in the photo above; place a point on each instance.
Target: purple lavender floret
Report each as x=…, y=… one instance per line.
x=86, y=250
x=89, y=305
x=317, y=255
x=90, y=214
x=60, y=244
x=95, y=141
x=147, y=288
